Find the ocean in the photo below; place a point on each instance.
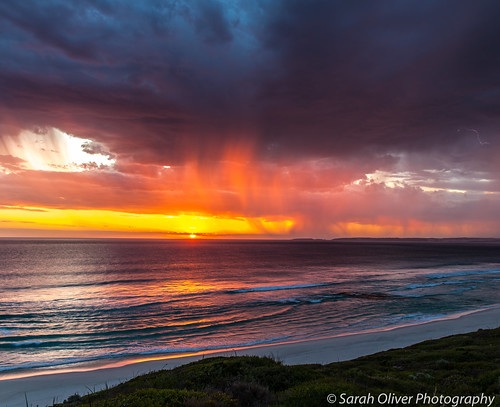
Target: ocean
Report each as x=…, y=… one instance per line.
x=64, y=302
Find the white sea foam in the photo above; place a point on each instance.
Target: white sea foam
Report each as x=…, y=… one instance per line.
x=131, y=352
x=461, y=273
x=27, y=343
x=415, y=286
x=278, y=287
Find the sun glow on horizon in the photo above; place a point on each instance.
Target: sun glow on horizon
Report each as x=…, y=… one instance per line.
x=107, y=222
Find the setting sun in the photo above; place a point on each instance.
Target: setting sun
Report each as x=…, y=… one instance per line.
x=192, y=236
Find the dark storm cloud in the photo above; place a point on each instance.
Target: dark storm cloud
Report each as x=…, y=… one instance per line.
x=161, y=76
x=211, y=23
x=393, y=75
x=319, y=78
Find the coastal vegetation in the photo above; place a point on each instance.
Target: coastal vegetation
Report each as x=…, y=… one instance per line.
x=459, y=365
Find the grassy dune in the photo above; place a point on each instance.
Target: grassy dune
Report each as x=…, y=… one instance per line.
x=466, y=365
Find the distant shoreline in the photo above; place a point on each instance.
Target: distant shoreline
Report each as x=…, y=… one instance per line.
x=44, y=386
x=468, y=240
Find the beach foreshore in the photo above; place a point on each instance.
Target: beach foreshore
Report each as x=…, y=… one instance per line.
x=44, y=387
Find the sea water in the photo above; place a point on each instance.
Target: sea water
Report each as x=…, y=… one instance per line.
x=69, y=301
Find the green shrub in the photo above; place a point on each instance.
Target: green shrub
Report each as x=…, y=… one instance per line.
x=460, y=364
x=168, y=398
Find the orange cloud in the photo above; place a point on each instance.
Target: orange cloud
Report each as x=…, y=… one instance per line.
x=233, y=194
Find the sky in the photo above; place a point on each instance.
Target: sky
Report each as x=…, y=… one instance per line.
x=262, y=119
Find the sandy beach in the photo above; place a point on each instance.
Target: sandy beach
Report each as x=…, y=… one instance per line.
x=43, y=388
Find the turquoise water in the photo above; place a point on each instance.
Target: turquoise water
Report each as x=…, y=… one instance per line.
x=68, y=301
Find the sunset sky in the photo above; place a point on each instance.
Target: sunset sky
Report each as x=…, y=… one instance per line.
x=263, y=119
